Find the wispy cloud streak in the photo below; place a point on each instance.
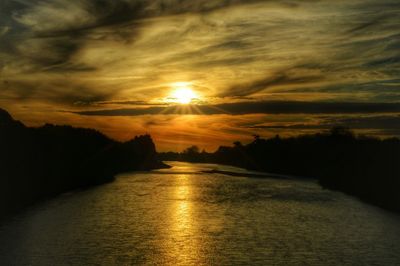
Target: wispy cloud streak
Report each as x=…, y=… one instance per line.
x=241, y=56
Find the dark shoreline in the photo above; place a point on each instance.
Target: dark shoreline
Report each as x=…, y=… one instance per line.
x=361, y=166
x=287, y=177
x=40, y=163
x=252, y=175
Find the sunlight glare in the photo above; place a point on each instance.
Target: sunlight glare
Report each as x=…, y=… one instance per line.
x=183, y=94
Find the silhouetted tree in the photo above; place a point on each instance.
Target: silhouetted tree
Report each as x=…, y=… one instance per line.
x=237, y=144
x=36, y=163
x=192, y=150
x=362, y=166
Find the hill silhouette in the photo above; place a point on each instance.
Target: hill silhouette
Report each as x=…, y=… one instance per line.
x=37, y=163
x=366, y=167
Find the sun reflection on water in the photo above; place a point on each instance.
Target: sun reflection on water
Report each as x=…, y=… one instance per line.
x=183, y=244
x=182, y=213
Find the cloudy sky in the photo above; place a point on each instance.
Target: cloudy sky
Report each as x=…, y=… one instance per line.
x=254, y=67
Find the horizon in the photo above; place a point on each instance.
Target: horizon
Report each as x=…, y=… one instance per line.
x=106, y=107
x=251, y=139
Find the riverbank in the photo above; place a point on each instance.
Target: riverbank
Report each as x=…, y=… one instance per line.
x=39, y=163
x=365, y=167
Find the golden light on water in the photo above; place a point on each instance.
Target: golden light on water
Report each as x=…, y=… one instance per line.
x=183, y=220
x=183, y=209
x=183, y=225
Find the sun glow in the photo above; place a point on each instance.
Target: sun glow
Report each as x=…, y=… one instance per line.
x=182, y=93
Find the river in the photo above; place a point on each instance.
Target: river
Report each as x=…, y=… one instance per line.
x=183, y=216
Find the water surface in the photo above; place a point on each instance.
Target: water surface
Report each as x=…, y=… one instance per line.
x=181, y=216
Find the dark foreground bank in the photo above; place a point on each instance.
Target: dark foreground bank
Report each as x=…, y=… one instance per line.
x=36, y=163
x=366, y=167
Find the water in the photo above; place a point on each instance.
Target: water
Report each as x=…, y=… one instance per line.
x=181, y=216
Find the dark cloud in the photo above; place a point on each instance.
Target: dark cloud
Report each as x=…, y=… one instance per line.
x=367, y=25
x=242, y=108
x=376, y=91
x=382, y=124
x=64, y=32
x=87, y=54
x=106, y=13
x=139, y=103
x=363, y=122
x=388, y=61
x=65, y=25
x=279, y=79
x=53, y=91
x=378, y=122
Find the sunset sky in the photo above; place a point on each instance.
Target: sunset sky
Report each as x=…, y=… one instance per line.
x=202, y=72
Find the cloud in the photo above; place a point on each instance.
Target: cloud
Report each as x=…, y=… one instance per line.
x=51, y=91
x=140, y=103
x=243, y=108
x=49, y=35
x=377, y=124
x=279, y=79
x=268, y=57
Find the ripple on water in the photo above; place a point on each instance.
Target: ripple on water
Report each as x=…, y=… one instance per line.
x=181, y=216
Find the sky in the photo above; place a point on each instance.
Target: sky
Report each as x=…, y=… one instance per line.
x=251, y=67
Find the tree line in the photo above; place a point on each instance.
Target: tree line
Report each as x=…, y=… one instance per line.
x=366, y=167
x=36, y=163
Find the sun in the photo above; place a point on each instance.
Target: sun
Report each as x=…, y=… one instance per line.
x=182, y=94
